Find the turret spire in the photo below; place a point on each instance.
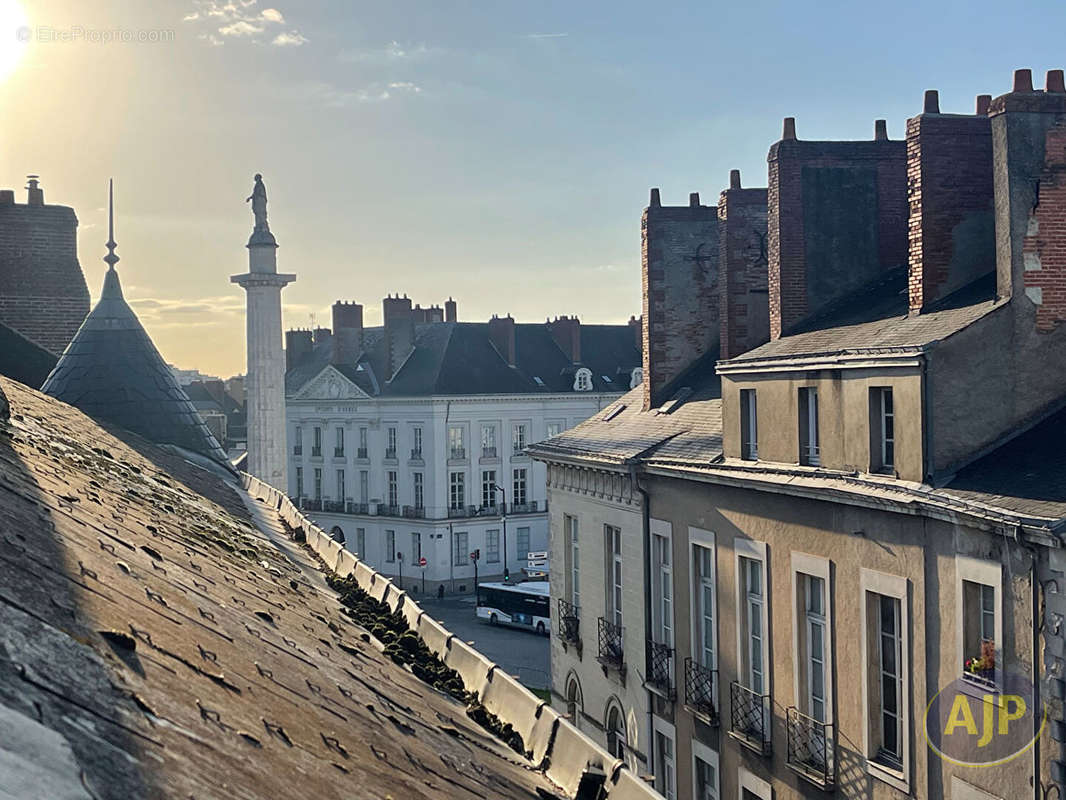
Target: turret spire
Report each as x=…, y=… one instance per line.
x=111, y=259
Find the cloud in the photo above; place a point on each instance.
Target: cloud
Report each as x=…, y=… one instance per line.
x=240, y=28
x=240, y=19
x=334, y=96
x=272, y=15
x=392, y=52
x=546, y=35
x=289, y=39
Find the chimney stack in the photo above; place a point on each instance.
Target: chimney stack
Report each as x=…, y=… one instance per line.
x=734, y=179
x=347, y=332
x=399, y=331
x=983, y=101
x=451, y=312
x=297, y=347
x=880, y=130
x=744, y=311
x=655, y=201
x=694, y=200
x=566, y=331
x=322, y=335
x=35, y=194
x=1054, y=82
x=502, y=336
x=7, y=197
x=789, y=129
x=1023, y=80
x=932, y=102
x=636, y=327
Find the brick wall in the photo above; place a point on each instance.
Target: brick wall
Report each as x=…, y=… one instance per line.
x=744, y=302
x=42, y=289
x=1044, y=245
x=951, y=233
x=836, y=217
x=679, y=262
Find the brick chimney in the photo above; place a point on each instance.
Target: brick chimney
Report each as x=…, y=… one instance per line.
x=952, y=237
x=451, y=313
x=1029, y=156
x=636, y=327
x=679, y=265
x=347, y=332
x=566, y=331
x=297, y=347
x=322, y=335
x=745, y=306
x=34, y=193
x=502, y=336
x=836, y=219
x=399, y=331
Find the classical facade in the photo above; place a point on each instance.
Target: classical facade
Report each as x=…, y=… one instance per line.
x=407, y=441
x=851, y=533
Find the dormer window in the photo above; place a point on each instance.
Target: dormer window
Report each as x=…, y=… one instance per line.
x=749, y=426
x=810, y=453
x=583, y=380
x=636, y=377
x=883, y=430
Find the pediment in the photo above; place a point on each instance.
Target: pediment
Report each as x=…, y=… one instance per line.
x=330, y=384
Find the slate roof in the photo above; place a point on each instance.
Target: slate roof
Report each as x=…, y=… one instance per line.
x=23, y=360
x=161, y=637
x=459, y=358
x=112, y=371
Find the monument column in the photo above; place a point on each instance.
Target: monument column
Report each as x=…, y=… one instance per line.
x=265, y=382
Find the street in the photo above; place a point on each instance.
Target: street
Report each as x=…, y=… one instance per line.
x=522, y=653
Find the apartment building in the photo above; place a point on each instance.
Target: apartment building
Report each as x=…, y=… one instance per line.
x=407, y=441
x=860, y=515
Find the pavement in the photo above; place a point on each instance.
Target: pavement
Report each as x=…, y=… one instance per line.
x=520, y=652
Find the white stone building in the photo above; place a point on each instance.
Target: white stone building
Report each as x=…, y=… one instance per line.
x=407, y=440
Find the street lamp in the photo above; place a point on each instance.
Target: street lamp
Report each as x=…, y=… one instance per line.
x=400, y=556
x=503, y=516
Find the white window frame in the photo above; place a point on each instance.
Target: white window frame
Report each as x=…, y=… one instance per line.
x=488, y=487
x=573, y=543
x=882, y=418
x=810, y=454
x=754, y=784
x=660, y=727
x=416, y=435
x=897, y=587
x=492, y=546
x=583, y=380
x=392, y=479
x=340, y=482
x=749, y=433
x=418, y=480
x=804, y=564
x=557, y=424
x=708, y=756
x=662, y=582
x=520, y=534
x=456, y=488
x=698, y=537
x=464, y=537
x=615, y=574
x=988, y=573
x=519, y=438
x=520, y=482
x=755, y=551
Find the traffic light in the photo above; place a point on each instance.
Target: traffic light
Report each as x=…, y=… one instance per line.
x=476, y=555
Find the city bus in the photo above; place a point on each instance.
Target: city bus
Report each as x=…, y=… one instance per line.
x=523, y=605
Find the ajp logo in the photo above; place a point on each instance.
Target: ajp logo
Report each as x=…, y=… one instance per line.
x=974, y=723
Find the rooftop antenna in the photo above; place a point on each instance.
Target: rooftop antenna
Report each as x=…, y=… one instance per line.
x=111, y=259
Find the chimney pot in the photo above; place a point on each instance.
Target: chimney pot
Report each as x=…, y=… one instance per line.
x=1054, y=82
x=1023, y=80
x=655, y=202
x=694, y=199
x=932, y=102
x=7, y=197
x=789, y=129
x=34, y=193
x=880, y=130
x=983, y=102
x=734, y=179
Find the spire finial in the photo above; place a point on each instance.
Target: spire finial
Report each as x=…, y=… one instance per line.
x=111, y=259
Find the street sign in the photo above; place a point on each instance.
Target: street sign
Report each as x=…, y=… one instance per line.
x=422, y=562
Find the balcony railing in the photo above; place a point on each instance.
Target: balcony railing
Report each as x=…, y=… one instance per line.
x=750, y=723
x=390, y=453
x=661, y=668
x=333, y=506
x=810, y=748
x=316, y=452
x=610, y=645
x=360, y=452
x=455, y=512
x=338, y=452
x=297, y=450
x=488, y=452
x=416, y=454
x=525, y=508
x=358, y=508
x=414, y=512
x=457, y=453
x=311, y=504
x=489, y=510
x=701, y=685
x=385, y=510
x=569, y=622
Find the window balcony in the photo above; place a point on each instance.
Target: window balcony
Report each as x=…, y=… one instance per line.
x=414, y=512
x=810, y=749
x=361, y=453
x=388, y=511
x=416, y=455
x=333, y=506
x=750, y=718
x=298, y=450
x=338, y=452
x=316, y=452
x=701, y=687
x=390, y=453
x=489, y=511
x=488, y=452
x=457, y=512
x=526, y=508
x=661, y=669
x=358, y=508
x=311, y=504
x=569, y=624
x=610, y=652
x=457, y=453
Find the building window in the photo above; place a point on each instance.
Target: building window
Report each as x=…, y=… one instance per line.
x=393, y=487
x=703, y=598
x=614, y=573
x=583, y=380
x=488, y=487
x=751, y=630
x=318, y=483
x=390, y=442
x=749, y=431
x=554, y=429
x=574, y=703
x=518, y=438
x=457, y=491
x=462, y=549
x=573, y=560
x=636, y=377
x=812, y=634
x=885, y=678
x=814, y=646
x=338, y=449
x=340, y=484
x=662, y=629
x=617, y=741
x=455, y=443
x=704, y=772
x=298, y=446
x=420, y=490
x=665, y=766
x=753, y=787
x=299, y=482
x=362, y=443
x=360, y=542
x=416, y=451
x=522, y=541
x=882, y=429
x=488, y=441
x=316, y=441
x=390, y=546
x=364, y=486
x=416, y=548
x=492, y=546
x=519, y=493
x=808, y=427
x=979, y=621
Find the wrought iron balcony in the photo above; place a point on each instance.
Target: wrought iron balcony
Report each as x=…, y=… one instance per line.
x=489, y=511
x=358, y=508
x=390, y=453
x=750, y=718
x=701, y=687
x=488, y=452
x=524, y=508
x=316, y=452
x=416, y=454
x=569, y=622
x=810, y=748
x=334, y=506
x=297, y=450
x=360, y=452
x=457, y=453
x=388, y=511
x=338, y=452
x=661, y=668
x=414, y=512
x=456, y=512
x=610, y=645
x=311, y=504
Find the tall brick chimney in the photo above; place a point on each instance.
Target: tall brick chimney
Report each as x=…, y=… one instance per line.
x=836, y=219
x=951, y=231
x=399, y=331
x=1029, y=156
x=322, y=335
x=34, y=192
x=502, y=336
x=566, y=331
x=451, y=312
x=636, y=327
x=297, y=347
x=679, y=264
x=347, y=332
x=745, y=305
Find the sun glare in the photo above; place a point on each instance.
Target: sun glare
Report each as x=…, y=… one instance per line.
x=15, y=35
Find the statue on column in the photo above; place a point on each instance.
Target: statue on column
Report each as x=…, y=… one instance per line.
x=258, y=199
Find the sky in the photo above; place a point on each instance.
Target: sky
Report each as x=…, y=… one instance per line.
x=496, y=152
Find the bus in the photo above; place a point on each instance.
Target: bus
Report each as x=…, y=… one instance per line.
x=523, y=605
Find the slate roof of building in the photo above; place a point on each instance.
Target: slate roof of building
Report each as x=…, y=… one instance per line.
x=112, y=371
x=23, y=360
x=876, y=318
x=161, y=637
x=459, y=358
